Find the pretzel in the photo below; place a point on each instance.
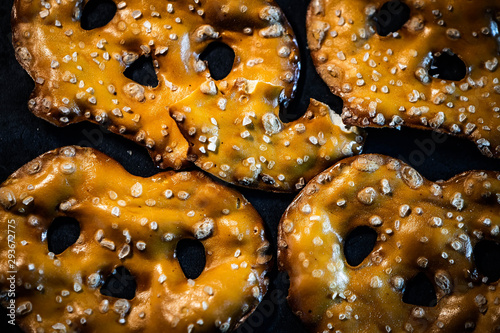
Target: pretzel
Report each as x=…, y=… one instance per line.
x=136, y=223
x=78, y=73
x=386, y=81
x=421, y=226
x=239, y=137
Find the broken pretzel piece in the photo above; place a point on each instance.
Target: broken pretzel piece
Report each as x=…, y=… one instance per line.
x=239, y=137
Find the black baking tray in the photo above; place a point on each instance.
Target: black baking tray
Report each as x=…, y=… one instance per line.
x=24, y=137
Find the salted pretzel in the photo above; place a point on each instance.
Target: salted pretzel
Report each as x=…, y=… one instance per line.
x=79, y=73
x=243, y=141
x=421, y=227
x=386, y=77
x=135, y=223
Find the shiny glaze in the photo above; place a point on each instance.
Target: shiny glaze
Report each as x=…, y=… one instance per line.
x=239, y=137
x=78, y=73
x=136, y=223
x=422, y=227
x=384, y=81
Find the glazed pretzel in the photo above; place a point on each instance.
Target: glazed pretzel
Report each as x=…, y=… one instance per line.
x=239, y=137
x=136, y=223
x=421, y=226
x=78, y=73
x=386, y=80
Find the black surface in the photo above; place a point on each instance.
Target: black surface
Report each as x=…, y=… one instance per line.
x=487, y=259
x=220, y=58
x=142, y=71
x=391, y=17
x=24, y=137
x=358, y=244
x=120, y=284
x=420, y=291
x=97, y=13
x=62, y=233
x=448, y=66
x=191, y=256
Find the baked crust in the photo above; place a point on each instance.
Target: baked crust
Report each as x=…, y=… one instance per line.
x=132, y=222
x=422, y=226
x=78, y=73
x=384, y=80
x=245, y=143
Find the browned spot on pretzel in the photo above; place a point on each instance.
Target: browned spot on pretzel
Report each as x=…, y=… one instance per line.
x=422, y=227
x=79, y=73
x=386, y=80
x=239, y=137
x=136, y=223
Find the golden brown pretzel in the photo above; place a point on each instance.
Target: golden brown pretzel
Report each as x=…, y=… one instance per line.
x=136, y=223
x=385, y=80
x=78, y=73
x=422, y=226
x=239, y=137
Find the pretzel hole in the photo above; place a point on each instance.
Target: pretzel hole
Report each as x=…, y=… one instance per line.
x=97, y=13
x=191, y=256
x=120, y=284
x=288, y=114
x=359, y=243
x=487, y=259
x=220, y=59
x=391, y=17
x=420, y=291
x=63, y=232
x=143, y=72
x=448, y=66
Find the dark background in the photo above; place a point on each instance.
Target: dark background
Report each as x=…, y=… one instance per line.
x=24, y=137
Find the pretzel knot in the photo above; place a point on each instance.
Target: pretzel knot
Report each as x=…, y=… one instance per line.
x=425, y=64
x=437, y=235
x=129, y=222
x=78, y=73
